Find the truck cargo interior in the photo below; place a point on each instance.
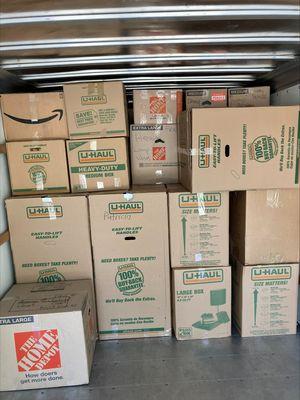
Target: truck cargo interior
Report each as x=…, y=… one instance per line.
x=149, y=200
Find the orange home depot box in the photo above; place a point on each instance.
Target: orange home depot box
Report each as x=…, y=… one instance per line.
x=156, y=106
x=47, y=335
x=50, y=238
x=239, y=148
x=38, y=167
x=96, y=109
x=34, y=116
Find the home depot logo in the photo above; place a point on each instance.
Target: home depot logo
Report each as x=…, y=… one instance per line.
x=159, y=153
x=202, y=276
x=132, y=207
x=96, y=156
x=218, y=97
x=270, y=273
x=158, y=105
x=199, y=200
x=44, y=212
x=263, y=148
x=204, y=156
x=95, y=99
x=37, y=350
x=36, y=157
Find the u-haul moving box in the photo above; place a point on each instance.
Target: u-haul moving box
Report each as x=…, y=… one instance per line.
x=264, y=226
x=202, y=302
x=38, y=167
x=47, y=334
x=265, y=299
x=96, y=109
x=199, y=227
x=258, y=96
x=206, y=98
x=131, y=259
x=239, y=149
x=98, y=164
x=50, y=238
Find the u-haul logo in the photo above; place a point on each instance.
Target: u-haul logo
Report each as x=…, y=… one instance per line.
x=199, y=200
x=97, y=156
x=271, y=273
x=37, y=350
x=95, y=99
x=44, y=212
x=36, y=157
x=204, y=148
x=132, y=207
x=202, y=276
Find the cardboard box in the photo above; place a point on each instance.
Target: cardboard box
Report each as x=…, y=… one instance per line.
x=50, y=238
x=264, y=226
x=131, y=259
x=38, y=167
x=265, y=299
x=96, y=109
x=48, y=335
x=154, y=157
x=98, y=164
x=202, y=303
x=206, y=98
x=34, y=116
x=239, y=149
x=156, y=106
x=199, y=227
x=249, y=97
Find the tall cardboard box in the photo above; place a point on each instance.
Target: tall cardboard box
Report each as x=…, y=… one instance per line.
x=249, y=97
x=50, y=238
x=239, y=149
x=206, y=98
x=199, y=227
x=156, y=106
x=98, y=164
x=131, y=259
x=264, y=226
x=34, y=116
x=96, y=109
x=38, y=167
x=265, y=299
x=47, y=334
x=202, y=303
x=154, y=157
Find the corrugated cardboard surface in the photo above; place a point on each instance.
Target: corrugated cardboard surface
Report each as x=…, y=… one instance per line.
x=199, y=227
x=98, y=164
x=34, y=116
x=249, y=97
x=265, y=226
x=156, y=106
x=154, y=157
x=241, y=149
x=96, y=109
x=265, y=299
x=214, y=98
x=50, y=238
x=202, y=302
x=48, y=335
x=38, y=167
x=131, y=259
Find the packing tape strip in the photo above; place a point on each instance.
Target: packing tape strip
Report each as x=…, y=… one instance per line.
x=273, y=199
x=201, y=203
x=95, y=88
x=51, y=208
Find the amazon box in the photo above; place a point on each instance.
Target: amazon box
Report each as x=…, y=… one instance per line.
x=264, y=226
x=265, y=299
x=206, y=98
x=199, y=227
x=156, y=106
x=202, y=303
x=249, y=97
x=96, y=109
x=239, y=149
x=98, y=164
x=50, y=238
x=34, y=116
x=131, y=260
x=154, y=157
x=48, y=335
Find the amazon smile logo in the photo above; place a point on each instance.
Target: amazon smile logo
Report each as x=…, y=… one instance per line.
x=56, y=113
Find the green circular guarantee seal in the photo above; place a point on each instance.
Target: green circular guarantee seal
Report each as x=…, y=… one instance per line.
x=129, y=279
x=50, y=275
x=37, y=174
x=264, y=148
